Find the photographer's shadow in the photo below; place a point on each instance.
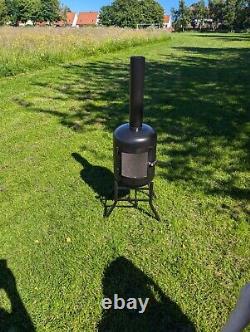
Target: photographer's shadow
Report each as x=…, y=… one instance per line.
x=17, y=319
x=121, y=277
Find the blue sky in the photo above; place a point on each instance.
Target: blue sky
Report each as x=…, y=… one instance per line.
x=95, y=5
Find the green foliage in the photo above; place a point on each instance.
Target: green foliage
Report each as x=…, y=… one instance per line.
x=49, y=10
x=106, y=16
x=242, y=17
x=3, y=12
x=181, y=17
x=216, y=9
x=35, y=10
x=63, y=12
x=199, y=12
x=222, y=14
x=129, y=13
x=23, y=10
x=229, y=13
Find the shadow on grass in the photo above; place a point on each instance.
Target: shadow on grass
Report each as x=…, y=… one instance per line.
x=121, y=277
x=100, y=179
x=197, y=100
x=225, y=37
x=17, y=318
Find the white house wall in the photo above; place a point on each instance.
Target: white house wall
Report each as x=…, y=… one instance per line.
x=75, y=21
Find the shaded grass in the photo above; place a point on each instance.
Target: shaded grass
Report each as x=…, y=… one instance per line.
x=63, y=253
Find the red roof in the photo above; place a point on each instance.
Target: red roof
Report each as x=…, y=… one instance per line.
x=70, y=17
x=166, y=18
x=87, y=18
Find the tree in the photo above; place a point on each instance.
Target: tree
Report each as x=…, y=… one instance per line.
x=229, y=13
x=3, y=12
x=63, y=12
x=22, y=10
x=216, y=12
x=67, y=9
x=129, y=13
x=242, y=17
x=106, y=16
x=181, y=17
x=201, y=13
x=247, y=15
x=184, y=15
x=49, y=10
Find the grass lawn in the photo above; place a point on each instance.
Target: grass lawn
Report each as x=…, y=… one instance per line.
x=56, y=163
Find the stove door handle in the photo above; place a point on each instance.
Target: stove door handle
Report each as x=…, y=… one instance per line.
x=152, y=163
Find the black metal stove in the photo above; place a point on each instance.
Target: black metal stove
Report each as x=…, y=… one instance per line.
x=134, y=145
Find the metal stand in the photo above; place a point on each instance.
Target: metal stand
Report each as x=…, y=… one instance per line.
x=135, y=200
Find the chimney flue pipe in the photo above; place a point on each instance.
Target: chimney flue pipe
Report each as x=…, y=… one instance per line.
x=137, y=69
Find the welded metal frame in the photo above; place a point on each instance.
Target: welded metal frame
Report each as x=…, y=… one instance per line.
x=149, y=187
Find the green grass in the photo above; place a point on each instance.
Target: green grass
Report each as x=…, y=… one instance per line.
x=64, y=255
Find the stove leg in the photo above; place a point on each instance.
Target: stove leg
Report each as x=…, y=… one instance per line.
x=116, y=191
x=108, y=212
x=129, y=196
x=151, y=195
x=136, y=201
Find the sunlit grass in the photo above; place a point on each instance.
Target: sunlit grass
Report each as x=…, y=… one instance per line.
x=23, y=49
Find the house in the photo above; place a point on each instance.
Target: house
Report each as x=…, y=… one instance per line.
x=29, y=23
x=87, y=18
x=71, y=19
x=167, y=22
x=21, y=24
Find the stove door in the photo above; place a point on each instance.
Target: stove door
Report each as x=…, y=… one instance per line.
x=133, y=165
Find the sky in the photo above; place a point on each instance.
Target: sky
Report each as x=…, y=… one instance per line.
x=95, y=5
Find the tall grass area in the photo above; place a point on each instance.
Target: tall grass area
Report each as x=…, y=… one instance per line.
x=23, y=49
